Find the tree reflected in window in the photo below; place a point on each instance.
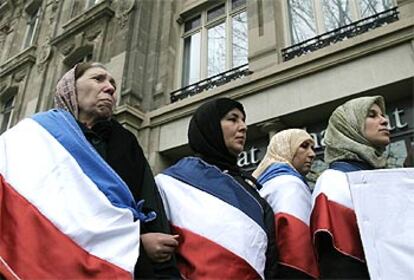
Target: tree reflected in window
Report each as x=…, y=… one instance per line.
x=239, y=42
x=336, y=13
x=308, y=18
x=215, y=40
x=303, y=24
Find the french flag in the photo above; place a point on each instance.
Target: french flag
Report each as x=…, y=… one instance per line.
x=64, y=213
x=333, y=213
x=220, y=223
x=290, y=199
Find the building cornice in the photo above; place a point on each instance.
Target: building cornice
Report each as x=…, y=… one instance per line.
x=26, y=58
x=102, y=10
x=129, y=115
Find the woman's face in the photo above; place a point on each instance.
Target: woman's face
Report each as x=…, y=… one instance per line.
x=303, y=158
x=96, y=94
x=376, y=127
x=234, y=131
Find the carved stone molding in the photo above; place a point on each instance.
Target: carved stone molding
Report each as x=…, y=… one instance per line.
x=18, y=76
x=24, y=59
x=44, y=54
x=83, y=29
x=122, y=11
x=67, y=47
x=5, y=28
x=5, y=83
x=91, y=34
x=3, y=86
x=53, y=9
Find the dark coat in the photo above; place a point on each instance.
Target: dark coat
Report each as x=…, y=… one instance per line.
x=120, y=149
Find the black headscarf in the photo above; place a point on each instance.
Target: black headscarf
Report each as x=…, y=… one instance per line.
x=206, y=137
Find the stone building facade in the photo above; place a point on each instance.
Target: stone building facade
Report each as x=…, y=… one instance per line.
x=290, y=62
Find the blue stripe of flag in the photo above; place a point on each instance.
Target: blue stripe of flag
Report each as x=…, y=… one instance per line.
x=197, y=173
x=63, y=127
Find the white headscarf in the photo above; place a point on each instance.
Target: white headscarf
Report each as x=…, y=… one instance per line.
x=282, y=148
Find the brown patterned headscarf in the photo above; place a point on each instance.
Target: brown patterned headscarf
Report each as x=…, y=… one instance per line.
x=66, y=96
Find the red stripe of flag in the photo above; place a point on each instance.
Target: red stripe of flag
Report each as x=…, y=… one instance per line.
x=32, y=247
x=294, y=242
x=200, y=258
x=340, y=222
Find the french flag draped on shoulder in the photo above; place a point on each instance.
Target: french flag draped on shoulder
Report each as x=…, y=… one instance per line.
x=333, y=213
x=220, y=223
x=290, y=198
x=384, y=205
x=64, y=213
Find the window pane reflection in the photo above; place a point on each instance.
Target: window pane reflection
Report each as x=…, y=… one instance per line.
x=215, y=12
x=31, y=28
x=371, y=7
x=302, y=19
x=193, y=23
x=237, y=3
x=216, y=50
x=191, y=65
x=336, y=13
x=239, y=44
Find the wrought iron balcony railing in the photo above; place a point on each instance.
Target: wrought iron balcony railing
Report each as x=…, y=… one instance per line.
x=211, y=82
x=341, y=33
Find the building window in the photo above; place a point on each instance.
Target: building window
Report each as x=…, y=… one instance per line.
x=215, y=40
x=7, y=113
x=31, y=28
x=309, y=18
x=90, y=3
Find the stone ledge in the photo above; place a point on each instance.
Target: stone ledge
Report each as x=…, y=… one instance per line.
x=87, y=18
x=27, y=56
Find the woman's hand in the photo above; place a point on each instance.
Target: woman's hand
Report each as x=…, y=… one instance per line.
x=159, y=246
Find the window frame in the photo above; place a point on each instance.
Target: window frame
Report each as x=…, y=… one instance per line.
x=203, y=28
x=7, y=110
x=318, y=13
x=32, y=27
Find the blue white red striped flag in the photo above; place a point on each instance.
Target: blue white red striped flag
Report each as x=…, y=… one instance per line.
x=333, y=213
x=290, y=199
x=220, y=223
x=64, y=213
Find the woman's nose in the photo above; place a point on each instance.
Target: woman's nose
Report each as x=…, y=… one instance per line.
x=312, y=153
x=243, y=126
x=384, y=120
x=109, y=88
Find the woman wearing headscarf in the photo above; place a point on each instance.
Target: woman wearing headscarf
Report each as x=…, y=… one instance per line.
x=355, y=139
x=226, y=228
x=282, y=172
x=70, y=180
x=88, y=92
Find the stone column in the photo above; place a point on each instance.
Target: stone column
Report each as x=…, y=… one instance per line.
x=265, y=24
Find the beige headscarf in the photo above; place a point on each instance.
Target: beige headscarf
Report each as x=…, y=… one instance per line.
x=65, y=95
x=282, y=148
x=344, y=136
